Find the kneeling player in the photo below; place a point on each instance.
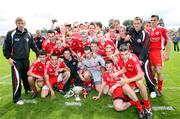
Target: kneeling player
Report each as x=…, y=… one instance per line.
x=36, y=72
x=134, y=76
x=51, y=77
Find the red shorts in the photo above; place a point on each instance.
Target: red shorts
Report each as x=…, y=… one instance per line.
x=52, y=81
x=118, y=93
x=133, y=85
x=156, y=58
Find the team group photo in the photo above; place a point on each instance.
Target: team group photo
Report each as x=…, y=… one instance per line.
x=88, y=69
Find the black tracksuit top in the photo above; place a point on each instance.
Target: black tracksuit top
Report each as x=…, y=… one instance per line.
x=17, y=45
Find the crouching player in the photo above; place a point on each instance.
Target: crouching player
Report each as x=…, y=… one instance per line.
x=52, y=78
x=118, y=90
x=134, y=75
x=36, y=72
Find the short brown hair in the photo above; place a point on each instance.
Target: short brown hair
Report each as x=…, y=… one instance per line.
x=20, y=19
x=138, y=18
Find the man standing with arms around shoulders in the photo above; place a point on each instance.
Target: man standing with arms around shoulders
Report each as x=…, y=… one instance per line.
x=16, y=49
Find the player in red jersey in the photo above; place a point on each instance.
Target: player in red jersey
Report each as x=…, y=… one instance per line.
x=74, y=44
x=48, y=44
x=134, y=76
x=36, y=72
x=58, y=48
x=84, y=38
x=158, y=40
x=118, y=91
x=52, y=78
x=111, y=35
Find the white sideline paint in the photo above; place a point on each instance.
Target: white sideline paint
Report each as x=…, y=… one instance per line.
x=76, y=104
x=154, y=108
x=33, y=101
x=159, y=108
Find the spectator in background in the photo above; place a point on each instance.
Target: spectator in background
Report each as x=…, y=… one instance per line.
x=176, y=39
x=16, y=49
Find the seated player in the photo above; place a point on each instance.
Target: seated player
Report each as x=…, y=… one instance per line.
x=94, y=65
x=134, y=75
x=118, y=91
x=52, y=78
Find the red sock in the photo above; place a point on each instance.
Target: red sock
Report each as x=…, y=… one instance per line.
x=138, y=105
x=146, y=104
x=132, y=103
x=160, y=82
x=61, y=86
x=34, y=90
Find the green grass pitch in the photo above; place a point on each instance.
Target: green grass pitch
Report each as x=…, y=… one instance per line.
x=89, y=109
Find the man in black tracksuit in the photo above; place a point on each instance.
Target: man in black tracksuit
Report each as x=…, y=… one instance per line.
x=140, y=43
x=16, y=49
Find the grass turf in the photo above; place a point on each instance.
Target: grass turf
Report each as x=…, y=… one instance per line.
x=90, y=109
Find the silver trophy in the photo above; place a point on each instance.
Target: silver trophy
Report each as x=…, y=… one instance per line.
x=77, y=91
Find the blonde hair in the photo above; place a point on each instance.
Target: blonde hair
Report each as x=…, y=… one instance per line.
x=18, y=19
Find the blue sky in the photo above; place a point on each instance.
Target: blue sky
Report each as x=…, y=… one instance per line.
x=38, y=13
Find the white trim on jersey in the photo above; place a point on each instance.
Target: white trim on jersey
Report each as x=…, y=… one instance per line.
x=12, y=35
x=143, y=32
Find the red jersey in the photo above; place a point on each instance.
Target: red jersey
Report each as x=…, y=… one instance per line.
x=76, y=35
x=109, y=80
x=77, y=46
x=51, y=70
x=130, y=66
x=48, y=46
x=102, y=48
x=58, y=51
x=158, y=38
x=87, y=43
x=38, y=68
x=112, y=37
